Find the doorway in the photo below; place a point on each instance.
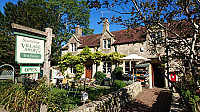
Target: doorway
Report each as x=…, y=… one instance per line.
x=88, y=70
x=158, y=77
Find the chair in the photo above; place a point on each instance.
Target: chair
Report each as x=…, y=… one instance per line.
x=72, y=85
x=92, y=84
x=64, y=82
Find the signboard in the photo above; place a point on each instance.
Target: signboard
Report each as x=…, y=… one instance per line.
x=29, y=50
x=29, y=69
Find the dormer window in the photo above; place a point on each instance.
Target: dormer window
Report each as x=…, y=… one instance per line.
x=73, y=46
x=155, y=37
x=106, y=43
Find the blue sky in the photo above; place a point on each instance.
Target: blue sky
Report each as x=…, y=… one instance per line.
x=94, y=18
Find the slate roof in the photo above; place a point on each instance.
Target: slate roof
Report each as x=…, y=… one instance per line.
x=121, y=37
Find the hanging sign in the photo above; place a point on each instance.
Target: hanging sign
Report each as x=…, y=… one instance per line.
x=29, y=50
x=29, y=69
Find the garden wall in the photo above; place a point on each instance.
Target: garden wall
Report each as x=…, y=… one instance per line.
x=113, y=101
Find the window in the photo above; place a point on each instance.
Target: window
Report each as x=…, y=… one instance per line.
x=155, y=37
x=73, y=47
x=104, y=67
x=106, y=43
x=109, y=43
x=107, y=67
x=72, y=69
x=128, y=70
x=115, y=48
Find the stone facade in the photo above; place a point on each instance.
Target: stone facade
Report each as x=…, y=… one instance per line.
x=129, y=41
x=112, y=102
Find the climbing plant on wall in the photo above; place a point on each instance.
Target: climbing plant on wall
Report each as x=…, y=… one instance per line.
x=86, y=55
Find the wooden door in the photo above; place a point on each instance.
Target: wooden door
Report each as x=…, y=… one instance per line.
x=88, y=71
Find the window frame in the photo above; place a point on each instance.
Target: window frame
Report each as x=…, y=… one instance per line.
x=73, y=47
x=106, y=43
x=106, y=68
x=155, y=36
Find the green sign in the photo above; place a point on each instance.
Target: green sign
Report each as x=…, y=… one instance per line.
x=29, y=50
x=29, y=55
x=29, y=69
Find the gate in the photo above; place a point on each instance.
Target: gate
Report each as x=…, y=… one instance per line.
x=7, y=72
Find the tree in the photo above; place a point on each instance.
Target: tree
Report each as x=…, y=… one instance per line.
x=179, y=19
x=61, y=15
x=6, y=43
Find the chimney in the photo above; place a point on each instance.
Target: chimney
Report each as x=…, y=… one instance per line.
x=105, y=26
x=78, y=31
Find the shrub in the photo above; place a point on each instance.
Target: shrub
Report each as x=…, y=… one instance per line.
x=118, y=71
x=21, y=97
x=99, y=76
x=117, y=84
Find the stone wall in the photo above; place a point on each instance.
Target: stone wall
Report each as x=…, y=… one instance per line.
x=113, y=101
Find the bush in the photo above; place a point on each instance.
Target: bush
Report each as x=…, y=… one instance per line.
x=117, y=84
x=21, y=97
x=99, y=76
x=118, y=71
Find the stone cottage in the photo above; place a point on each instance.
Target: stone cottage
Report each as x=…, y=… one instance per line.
x=128, y=41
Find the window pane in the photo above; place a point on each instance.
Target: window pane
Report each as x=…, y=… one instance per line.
x=104, y=44
x=109, y=67
x=104, y=67
x=115, y=48
x=153, y=35
x=159, y=34
x=127, y=68
x=109, y=43
x=74, y=46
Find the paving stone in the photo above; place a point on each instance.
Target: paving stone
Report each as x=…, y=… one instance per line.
x=150, y=100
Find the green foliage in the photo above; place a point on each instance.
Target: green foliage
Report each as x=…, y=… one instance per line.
x=16, y=97
x=86, y=55
x=117, y=84
x=118, y=71
x=99, y=76
x=65, y=103
x=60, y=15
x=193, y=98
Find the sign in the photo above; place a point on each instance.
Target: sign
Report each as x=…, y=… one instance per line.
x=29, y=50
x=29, y=69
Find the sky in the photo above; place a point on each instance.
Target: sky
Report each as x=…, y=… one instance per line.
x=94, y=18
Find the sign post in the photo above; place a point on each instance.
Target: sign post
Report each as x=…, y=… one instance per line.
x=47, y=54
x=32, y=50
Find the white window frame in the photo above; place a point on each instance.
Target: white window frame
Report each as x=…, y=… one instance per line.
x=127, y=67
x=73, y=47
x=106, y=43
x=72, y=69
x=106, y=67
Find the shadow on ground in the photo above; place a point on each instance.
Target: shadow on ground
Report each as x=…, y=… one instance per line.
x=155, y=100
